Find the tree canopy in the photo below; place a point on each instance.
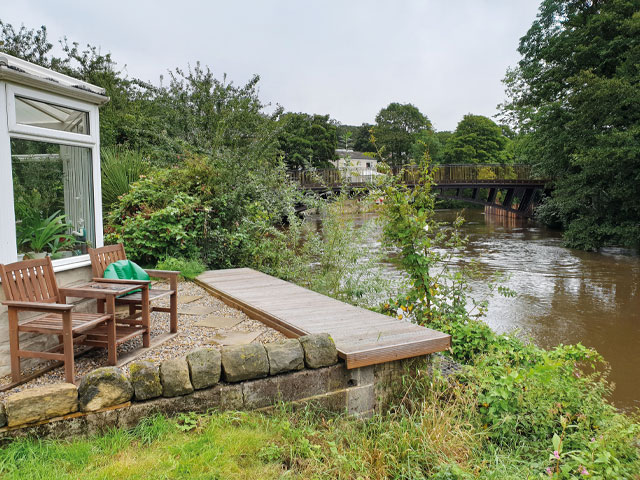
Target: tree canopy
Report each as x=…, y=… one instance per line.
x=477, y=139
x=575, y=98
x=308, y=140
x=397, y=126
x=362, y=138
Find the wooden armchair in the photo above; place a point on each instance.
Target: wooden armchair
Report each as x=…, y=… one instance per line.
x=102, y=257
x=31, y=286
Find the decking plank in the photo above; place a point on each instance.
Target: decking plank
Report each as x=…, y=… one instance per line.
x=362, y=337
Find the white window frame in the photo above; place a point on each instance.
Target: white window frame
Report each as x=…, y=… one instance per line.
x=9, y=128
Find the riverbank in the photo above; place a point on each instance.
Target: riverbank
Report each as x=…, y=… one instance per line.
x=563, y=296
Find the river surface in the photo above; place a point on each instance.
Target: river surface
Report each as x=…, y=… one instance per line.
x=563, y=295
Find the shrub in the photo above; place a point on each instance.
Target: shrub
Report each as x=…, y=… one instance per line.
x=154, y=223
x=188, y=268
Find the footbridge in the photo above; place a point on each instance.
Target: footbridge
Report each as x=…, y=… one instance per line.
x=507, y=189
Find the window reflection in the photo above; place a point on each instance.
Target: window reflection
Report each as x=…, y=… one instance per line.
x=46, y=115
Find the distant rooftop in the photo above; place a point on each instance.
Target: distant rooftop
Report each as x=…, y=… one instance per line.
x=353, y=155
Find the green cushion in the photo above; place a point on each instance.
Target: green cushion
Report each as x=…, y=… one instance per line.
x=125, y=270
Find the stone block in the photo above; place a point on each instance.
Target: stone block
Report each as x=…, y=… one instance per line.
x=174, y=376
x=339, y=377
x=98, y=423
x=361, y=401
x=37, y=404
x=319, y=350
x=145, y=379
x=231, y=397
x=332, y=401
x=244, y=362
x=302, y=384
x=104, y=387
x=361, y=376
x=260, y=393
x=3, y=415
x=285, y=356
x=204, y=367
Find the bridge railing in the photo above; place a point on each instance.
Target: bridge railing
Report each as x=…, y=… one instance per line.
x=443, y=174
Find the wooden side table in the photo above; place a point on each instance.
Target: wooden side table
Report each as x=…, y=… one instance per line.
x=115, y=331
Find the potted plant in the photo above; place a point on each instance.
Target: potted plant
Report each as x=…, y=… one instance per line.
x=48, y=232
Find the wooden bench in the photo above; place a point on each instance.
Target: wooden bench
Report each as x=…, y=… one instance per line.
x=102, y=257
x=30, y=286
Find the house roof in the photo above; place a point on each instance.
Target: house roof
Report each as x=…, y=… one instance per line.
x=19, y=71
x=354, y=155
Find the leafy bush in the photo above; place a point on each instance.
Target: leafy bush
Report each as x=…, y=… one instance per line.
x=154, y=223
x=188, y=268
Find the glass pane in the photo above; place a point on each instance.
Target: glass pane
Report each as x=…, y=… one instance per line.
x=46, y=115
x=53, y=199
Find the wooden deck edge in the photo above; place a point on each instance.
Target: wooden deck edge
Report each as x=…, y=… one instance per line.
x=390, y=353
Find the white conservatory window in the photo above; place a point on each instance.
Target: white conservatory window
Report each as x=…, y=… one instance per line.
x=45, y=115
x=53, y=199
x=49, y=165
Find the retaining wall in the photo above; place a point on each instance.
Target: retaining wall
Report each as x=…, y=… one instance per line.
x=359, y=392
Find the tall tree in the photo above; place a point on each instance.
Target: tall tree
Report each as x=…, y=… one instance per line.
x=432, y=142
x=396, y=128
x=362, y=139
x=575, y=97
x=308, y=140
x=477, y=139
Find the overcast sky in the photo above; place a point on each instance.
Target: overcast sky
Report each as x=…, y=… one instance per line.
x=344, y=58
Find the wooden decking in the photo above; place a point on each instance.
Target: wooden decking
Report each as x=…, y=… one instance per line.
x=362, y=337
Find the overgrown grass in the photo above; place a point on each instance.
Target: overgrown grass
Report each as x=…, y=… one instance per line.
x=225, y=445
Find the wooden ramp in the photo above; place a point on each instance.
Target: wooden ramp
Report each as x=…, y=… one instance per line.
x=362, y=337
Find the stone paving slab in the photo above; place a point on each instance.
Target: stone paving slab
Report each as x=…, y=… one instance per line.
x=235, y=338
x=184, y=299
x=196, y=310
x=217, y=321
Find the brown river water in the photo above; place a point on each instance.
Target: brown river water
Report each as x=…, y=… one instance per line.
x=563, y=295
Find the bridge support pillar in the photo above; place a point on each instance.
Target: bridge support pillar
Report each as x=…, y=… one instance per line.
x=508, y=199
x=492, y=195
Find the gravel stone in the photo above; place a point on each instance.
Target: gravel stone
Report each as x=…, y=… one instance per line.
x=191, y=335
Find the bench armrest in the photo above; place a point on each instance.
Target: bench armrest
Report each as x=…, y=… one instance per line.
x=163, y=273
x=38, y=306
x=122, y=281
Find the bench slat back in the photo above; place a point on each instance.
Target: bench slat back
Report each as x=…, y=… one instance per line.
x=102, y=257
x=30, y=281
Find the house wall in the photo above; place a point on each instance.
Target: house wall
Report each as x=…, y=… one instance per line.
x=31, y=341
